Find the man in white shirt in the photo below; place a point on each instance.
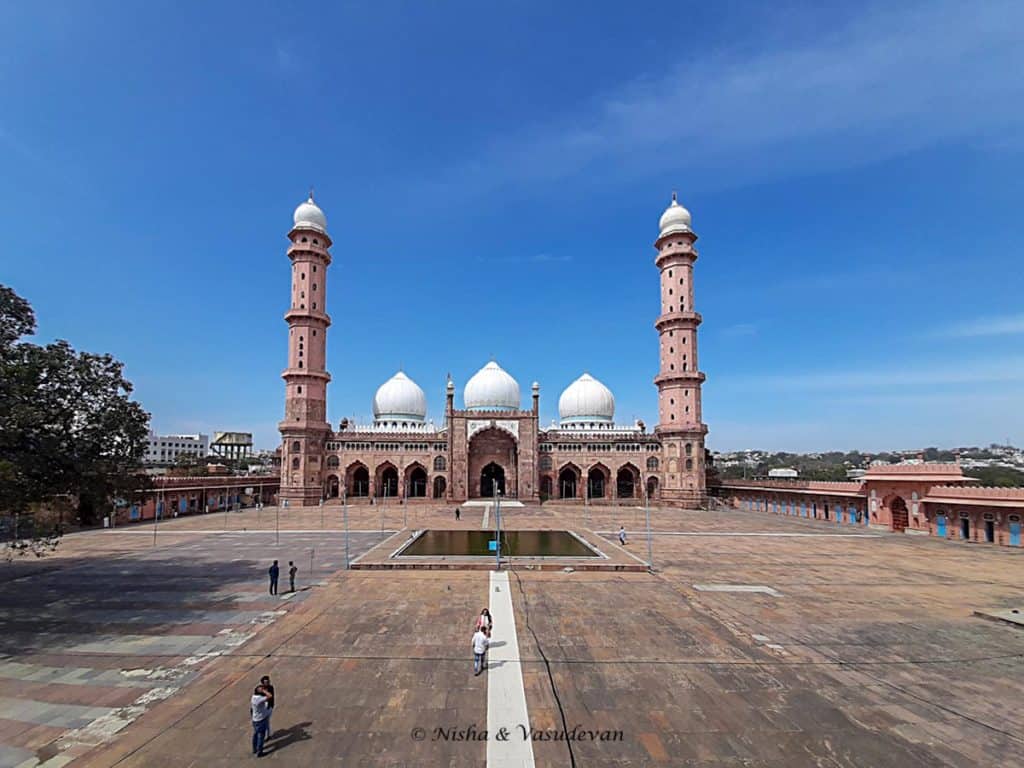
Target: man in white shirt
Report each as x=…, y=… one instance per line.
x=259, y=705
x=480, y=643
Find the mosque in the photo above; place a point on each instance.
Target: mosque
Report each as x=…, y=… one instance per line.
x=492, y=444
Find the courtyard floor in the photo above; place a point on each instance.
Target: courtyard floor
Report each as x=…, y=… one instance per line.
x=757, y=641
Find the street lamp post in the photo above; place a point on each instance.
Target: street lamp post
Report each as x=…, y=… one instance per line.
x=497, y=527
x=344, y=503
x=647, y=512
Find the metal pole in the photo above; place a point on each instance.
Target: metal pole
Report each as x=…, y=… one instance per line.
x=321, y=513
x=277, y=523
x=497, y=530
x=647, y=510
x=312, y=551
x=380, y=508
x=156, y=517
x=344, y=502
x=226, y=505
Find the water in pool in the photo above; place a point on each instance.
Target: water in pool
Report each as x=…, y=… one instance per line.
x=513, y=544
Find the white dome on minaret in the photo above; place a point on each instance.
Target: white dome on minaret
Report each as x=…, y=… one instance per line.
x=674, y=219
x=586, y=401
x=491, y=388
x=309, y=215
x=400, y=399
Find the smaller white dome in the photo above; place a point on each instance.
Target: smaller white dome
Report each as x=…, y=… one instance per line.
x=674, y=219
x=399, y=399
x=491, y=388
x=586, y=400
x=308, y=214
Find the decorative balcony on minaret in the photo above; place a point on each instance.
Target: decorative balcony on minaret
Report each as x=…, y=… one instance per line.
x=304, y=429
x=679, y=379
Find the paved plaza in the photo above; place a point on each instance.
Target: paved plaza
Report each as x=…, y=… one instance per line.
x=757, y=641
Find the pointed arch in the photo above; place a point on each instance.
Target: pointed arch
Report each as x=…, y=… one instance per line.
x=416, y=481
x=386, y=477
x=598, y=480
x=568, y=481
x=627, y=481
x=357, y=479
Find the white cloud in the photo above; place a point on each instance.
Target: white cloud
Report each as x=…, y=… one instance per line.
x=895, y=80
x=959, y=372
x=991, y=326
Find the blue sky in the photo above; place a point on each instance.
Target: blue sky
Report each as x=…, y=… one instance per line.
x=493, y=176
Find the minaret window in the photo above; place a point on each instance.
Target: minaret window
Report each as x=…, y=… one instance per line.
x=314, y=268
x=688, y=449
x=296, y=446
x=689, y=465
x=295, y=463
x=300, y=389
x=314, y=305
x=670, y=273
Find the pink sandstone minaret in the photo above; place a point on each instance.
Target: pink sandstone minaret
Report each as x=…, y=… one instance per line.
x=679, y=380
x=304, y=429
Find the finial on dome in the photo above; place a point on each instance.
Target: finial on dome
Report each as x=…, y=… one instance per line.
x=313, y=201
x=674, y=197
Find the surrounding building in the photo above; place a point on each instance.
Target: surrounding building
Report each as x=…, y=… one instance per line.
x=914, y=497
x=787, y=472
x=232, y=445
x=164, y=450
x=492, y=444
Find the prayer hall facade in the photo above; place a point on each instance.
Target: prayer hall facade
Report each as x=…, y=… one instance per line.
x=491, y=444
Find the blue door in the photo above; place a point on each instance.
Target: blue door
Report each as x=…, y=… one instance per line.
x=940, y=526
x=1015, y=533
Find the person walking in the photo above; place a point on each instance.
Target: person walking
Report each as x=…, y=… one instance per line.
x=480, y=643
x=622, y=535
x=292, y=570
x=274, y=572
x=266, y=685
x=259, y=706
x=484, y=621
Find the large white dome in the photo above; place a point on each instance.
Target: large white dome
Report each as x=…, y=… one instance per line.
x=400, y=399
x=308, y=214
x=586, y=400
x=491, y=388
x=674, y=219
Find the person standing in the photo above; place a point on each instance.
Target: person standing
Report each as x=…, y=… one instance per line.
x=274, y=572
x=484, y=621
x=292, y=570
x=622, y=535
x=259, y=706
x=266, y=685
x=480, y=643
x=458, y=514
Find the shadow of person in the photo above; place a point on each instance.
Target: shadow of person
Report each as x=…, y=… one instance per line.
x=497, y=644
x=283, y=737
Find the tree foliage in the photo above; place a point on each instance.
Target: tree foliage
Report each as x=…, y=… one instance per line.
x=68, y=427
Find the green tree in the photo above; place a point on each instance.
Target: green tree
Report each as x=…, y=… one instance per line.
x=68, y=427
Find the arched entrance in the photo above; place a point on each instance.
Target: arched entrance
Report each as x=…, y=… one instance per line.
x=493, y=446
x=416, y=482
x=332, y=486
x=358, y=481
x=652, y=487
x=492, y=478
x=597, y=482
x=440, y=486
x=898, y=511
x=626, y=482
x=567, y=482
x=387, y=481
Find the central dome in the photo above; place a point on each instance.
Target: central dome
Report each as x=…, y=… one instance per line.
x=399, y=399
x=491, y=388
x=586, y=400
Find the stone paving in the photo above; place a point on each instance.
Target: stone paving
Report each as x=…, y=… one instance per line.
x=95, y=636
x=862, y=651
